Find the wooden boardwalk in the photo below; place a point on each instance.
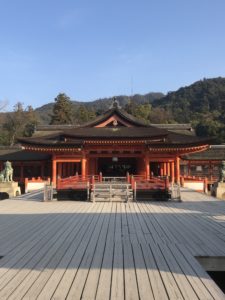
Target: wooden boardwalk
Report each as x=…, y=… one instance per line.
x=74, y=250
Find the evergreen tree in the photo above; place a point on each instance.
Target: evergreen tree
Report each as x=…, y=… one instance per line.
x=84, y=114
x=62, y=110
x=19, y=123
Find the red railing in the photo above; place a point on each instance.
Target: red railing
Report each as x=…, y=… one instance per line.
x=77, y=181
x=140, y=182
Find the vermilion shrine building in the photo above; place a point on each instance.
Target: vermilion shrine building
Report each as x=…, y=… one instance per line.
x=114, y=144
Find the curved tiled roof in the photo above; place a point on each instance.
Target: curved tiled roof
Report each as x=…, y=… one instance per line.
x=119, y=112
x=215, y=152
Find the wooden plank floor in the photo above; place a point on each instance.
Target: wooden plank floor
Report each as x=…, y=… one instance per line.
x=80, y=250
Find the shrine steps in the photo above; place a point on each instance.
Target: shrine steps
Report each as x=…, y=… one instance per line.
x=112, y=192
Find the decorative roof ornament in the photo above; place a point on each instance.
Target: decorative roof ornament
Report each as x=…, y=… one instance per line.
x=115, y=104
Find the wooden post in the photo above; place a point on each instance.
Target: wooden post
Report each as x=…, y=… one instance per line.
x=164, y=169
x=128, y=177
x=54, y=172
x=83, y=167
x=100, y=177
x=168, y=169
x=172, y=171
x=132, y=182
x=161, y=169
x=26, y=184
x=147, y=168
x=135, y=191
x=205, y=185
x=177, y=159
x=167, y=184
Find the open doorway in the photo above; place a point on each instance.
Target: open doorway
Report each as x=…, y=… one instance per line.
x=117, y=166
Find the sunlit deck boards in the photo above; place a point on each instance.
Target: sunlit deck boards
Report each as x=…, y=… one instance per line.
x=109, y=250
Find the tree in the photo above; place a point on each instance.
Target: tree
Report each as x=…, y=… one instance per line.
x=84, y=115
x=141, y=111
x=31, y=123
x=62, y=110
x=19, y=123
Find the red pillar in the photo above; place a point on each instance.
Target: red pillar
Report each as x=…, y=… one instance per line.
x=161, y=169
x=164, y=169
x=54, y=172
x=147, y=167
x=168, y=169
x=177, y=159
x=172, y=171
x=84, y=167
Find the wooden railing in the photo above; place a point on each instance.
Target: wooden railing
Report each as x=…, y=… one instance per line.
x=76, y=182
x=197, y=183
x=140, y=182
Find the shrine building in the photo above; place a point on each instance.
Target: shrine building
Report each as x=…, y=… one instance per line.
x=115, y=144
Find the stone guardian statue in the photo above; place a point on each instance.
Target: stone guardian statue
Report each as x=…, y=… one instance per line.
x=6, y=175
x=222, y=172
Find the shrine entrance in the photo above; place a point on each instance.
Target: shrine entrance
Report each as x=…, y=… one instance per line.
x=117, y=166
x=155, y=168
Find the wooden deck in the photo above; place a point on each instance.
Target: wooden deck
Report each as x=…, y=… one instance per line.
x=105, y=251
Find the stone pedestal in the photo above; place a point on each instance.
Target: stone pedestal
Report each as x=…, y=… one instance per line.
x=220, y=190
x=11, y=188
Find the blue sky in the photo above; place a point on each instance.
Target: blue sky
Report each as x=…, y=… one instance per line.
x=94, y=49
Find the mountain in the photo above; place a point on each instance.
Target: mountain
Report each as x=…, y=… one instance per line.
x=202, y=97
x=99, y=105
x=202, y=103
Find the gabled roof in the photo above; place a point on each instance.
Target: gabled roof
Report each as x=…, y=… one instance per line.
x=114, y=125
x=120, y=113
x=215, y=152
x=115, y=132
x=16, y=153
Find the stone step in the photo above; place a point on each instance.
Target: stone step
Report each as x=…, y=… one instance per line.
x=112, y=191
x=117, y=186
x=116, y=199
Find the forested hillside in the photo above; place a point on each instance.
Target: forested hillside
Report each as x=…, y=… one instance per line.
x=202, y=104
x=98, y=106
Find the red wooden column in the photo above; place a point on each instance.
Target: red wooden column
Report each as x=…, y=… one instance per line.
x=54, y=172
x=177, y=160
x=84, y=167
x=161, y=169
x=164, y=169
x=168, y=169
x=172, y=171
x=147, y=167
